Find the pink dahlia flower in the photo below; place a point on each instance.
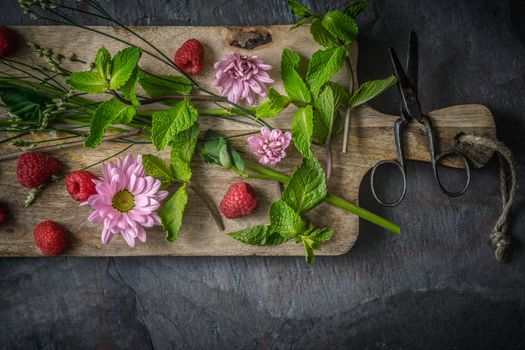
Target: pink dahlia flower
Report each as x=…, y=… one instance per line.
x=242, y=77
x=126, y=200
x=269, y=146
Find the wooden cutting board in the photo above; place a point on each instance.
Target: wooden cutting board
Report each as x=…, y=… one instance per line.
x=371, y=140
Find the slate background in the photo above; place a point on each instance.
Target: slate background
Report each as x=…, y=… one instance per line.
x=435, y=286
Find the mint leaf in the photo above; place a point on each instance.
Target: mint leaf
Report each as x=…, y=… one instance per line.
x=369, y=90
x=156, y=86
x=88, y=82
x=324, y=114
x=321, y=235
x=341, y=26
x=157, y=168
x=307, y=187
x=182, y=148
x=103, y=63
x=293, y=83
x=172, y=212
x=109, y=112
x=166, y=124
x=311, y=241
x=323, y=65
x=341, y=96
x=299, y=9
x=275, y=104
x=321, y=35
x=355, y=8
x=130, y=88
x=261, y=235
x=123, y=65
x=309, y=246
x=302, y=128
x=285, y=220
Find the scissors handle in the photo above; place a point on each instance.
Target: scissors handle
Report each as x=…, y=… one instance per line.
x=466, y=165
x=401, y=169
x=399, y=127
x=437, y=157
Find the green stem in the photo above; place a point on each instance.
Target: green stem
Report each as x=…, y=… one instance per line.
x=265, y=173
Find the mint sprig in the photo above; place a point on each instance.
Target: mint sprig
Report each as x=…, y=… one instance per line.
x=123, y=65
x=108, y=113
x=167, y=124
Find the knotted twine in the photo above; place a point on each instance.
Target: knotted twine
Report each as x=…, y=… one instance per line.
x=499, y=238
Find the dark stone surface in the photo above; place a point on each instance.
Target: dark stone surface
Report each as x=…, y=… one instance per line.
x=435, y=286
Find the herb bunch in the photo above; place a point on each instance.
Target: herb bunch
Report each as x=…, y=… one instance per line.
x=38, y=100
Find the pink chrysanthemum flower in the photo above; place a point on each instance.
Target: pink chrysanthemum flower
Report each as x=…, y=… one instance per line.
x=242, y=77
x=270, y=145
x=126, y=200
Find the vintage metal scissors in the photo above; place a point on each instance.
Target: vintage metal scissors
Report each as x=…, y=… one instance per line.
x=411, y=109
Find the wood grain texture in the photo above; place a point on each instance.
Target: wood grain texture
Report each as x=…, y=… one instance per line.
x=371, y=140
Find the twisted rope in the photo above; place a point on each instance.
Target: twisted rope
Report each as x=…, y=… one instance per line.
x=500, y=239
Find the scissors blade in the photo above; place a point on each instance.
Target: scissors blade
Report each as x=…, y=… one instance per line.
x=409, y=101
x=413, y=60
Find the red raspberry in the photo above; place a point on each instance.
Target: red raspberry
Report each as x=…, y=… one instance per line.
x=8, y=41
x=50, y=238
x=4, y=215
x=190, y=56
x=240, y=200
x=80, y=184
x=36, y=168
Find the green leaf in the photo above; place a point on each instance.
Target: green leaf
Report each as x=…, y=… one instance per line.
x=341, y=96
x=285, y=220
x=107, y=113
x=88, y=82
x=309, y=249
x=130, y=88
x=237, y=161
x=311, y=241
x=341, y=26
x=167, y=124
x=261, y=235
x=157, y=168
x=275, y=104
x=323, y=65
x=224, y=157
x=172, y=212
x=324, y=114
x=321, y=235
x=213, y=142
x=293, y=83
x=299, y=9
x=25, y=104
x=321, y=35
x=307, y=187
x=217, y=150
x=161, y=85
x=103, y=63
x=370, y=90
x=355, y=8
x=300, y=23
x=302, y=128
x=123, y=65
x=182, y=148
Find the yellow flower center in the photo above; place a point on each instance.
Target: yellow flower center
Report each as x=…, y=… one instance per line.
x=123, y=201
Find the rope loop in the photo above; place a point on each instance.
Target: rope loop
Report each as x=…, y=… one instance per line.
x=500, y=239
